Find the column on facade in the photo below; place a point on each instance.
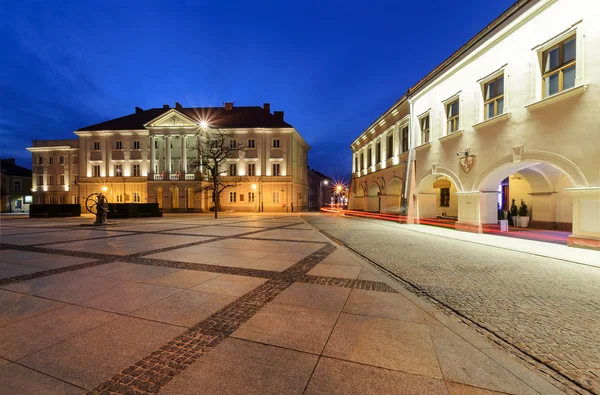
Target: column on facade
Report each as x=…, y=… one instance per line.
x=354, y=162
x=168, y=158
x=152, y=156
x=397, y=141
x=183, y=153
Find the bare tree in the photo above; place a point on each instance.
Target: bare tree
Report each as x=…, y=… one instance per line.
x=214, y=148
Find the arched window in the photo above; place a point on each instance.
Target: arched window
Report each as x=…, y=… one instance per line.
x=159, y=196
x=174, y=197
x=190, y=198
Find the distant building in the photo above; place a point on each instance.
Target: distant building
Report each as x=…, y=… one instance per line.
x=319, y=190
x=507, y=116
x=15, y=191
x=145, y=157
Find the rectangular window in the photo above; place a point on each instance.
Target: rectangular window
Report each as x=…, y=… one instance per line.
x=136, y=145
x=75, y=180
x=156, y=144
x=369, y=157
x=40, y=180
x=250, y=197
x=405, y=139
x=40, y=160
x=51, y=160
x=118, y=170
x=275, y=143
x=96, y=146
x=136, y=171
x=233, y=169
x=493, y=97
x=51, y=200
x=232, y=144
x=558, y=65
x=251, y=143
x=390, y=145
x=276, y=169
x=444, y=197
x=119, y=198
x=356, y=169
x=118, y=144
x=137, y=197
x=251, y=169
x=362, y=161
x=75, y=199
x=96, y=171
x=61, y=178
x=61, y=160
x=50, y=180
x=61, y=199
x=377, y=152
x=424, y=122
x=275, y=197
x=241, y=197
x=75, y=159
x=232, y=197
x=17, y=186
x=452, y=116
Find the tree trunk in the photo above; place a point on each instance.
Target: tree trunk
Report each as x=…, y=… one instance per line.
x=215, y=196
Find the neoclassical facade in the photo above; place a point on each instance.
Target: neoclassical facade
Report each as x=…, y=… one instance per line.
x=151, y=156
x=508, y=116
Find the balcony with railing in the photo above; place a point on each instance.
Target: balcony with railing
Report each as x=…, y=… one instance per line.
x=163, y=176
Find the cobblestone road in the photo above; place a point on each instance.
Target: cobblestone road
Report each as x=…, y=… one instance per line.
x=547, y=308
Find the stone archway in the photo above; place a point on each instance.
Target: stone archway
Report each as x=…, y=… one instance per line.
x=174, y=197
x=373, y=202
x=392, y=198
x=357, y=197
x=436, y=197
x=189, y=205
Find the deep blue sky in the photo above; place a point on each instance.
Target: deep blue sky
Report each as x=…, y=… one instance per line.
x=333, y=67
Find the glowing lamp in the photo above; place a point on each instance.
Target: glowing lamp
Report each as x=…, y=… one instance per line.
x=326, y=182
x=104, y=189
x=254, y=187
x=203, y=124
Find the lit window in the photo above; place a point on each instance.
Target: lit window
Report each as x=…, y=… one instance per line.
x=275, y=143
x=136, y=171
x=424, y=122
x=558, y=65
x=494, y=97
x=251, y=143
x=118, y=170
x=452, y=115
x=251, y=169
x=233, y=169
x=276, y=168
x=232, y=196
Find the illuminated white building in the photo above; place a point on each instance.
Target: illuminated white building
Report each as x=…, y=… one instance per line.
x=516, y=106
x=147, y=157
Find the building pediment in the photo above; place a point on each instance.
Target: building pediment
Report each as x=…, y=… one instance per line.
x=172, y=119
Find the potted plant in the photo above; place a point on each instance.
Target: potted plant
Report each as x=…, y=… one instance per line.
x=514, y=212
x=523, y=215
x=502, y=220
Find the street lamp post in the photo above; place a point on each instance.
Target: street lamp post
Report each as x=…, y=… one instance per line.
x=253, y=196
x=323, y=182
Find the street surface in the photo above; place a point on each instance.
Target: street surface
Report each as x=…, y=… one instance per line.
x=547, y=308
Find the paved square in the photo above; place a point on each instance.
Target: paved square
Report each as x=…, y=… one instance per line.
x=243, y=304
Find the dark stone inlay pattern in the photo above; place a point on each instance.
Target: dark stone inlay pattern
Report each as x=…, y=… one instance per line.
x=348, y=283
x=157, y=369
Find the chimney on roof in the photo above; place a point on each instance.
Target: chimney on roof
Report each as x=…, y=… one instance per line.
x=267, y=107
x=228, y=106
x=178, y=105
x=138, y=110
x=278, y=115
x=165, y=106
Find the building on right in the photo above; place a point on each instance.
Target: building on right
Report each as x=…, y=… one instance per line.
x=510, y=115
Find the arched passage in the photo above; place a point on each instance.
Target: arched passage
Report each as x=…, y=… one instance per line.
x=190, y=199
x=159, y=196
x=436, y=198
x=392, y=197
x=174, y=197
x=357, y=197
x=540, y=185
x=373, y=203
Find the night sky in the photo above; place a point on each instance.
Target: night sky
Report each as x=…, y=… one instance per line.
x=333, y=67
